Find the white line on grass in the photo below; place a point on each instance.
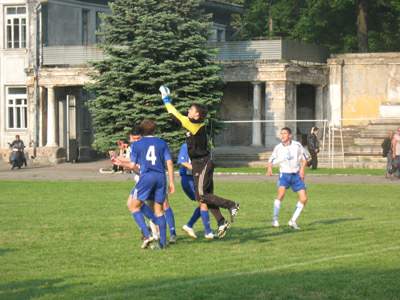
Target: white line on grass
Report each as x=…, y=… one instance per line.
x=211, y=277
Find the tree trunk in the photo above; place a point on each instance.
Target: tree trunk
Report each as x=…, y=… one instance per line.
x=362, y=27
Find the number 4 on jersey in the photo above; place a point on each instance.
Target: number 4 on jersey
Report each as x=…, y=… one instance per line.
x=151, y=155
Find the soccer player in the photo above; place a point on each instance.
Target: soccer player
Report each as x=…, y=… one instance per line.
x=202, y=166
x=187, y=182
x=292, y=160
x=135, y=136
x=151, y=154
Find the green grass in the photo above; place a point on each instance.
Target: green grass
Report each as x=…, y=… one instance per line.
x=322, y=171
x=75, y=240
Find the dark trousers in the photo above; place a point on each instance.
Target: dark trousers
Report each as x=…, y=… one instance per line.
x=314, y=159
x=203, y=171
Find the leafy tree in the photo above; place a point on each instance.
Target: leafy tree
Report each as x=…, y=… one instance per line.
x=148, y=43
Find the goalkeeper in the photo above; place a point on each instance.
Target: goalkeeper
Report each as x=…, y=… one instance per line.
x=203, y=168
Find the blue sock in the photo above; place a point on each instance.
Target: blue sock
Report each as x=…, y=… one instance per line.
x=205, y=217
x=148, y=213
x=139, y=219
x=169, y=216
x=162, y=224
x=194, y=218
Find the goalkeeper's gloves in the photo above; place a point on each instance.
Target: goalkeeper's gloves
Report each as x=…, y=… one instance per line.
x=165, y=94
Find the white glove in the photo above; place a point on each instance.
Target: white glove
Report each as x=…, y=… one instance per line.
x=165, y=93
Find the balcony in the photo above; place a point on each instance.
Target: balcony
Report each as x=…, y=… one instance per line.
x=273, y=50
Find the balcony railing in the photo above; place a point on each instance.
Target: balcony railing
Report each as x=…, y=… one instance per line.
x=274, y=50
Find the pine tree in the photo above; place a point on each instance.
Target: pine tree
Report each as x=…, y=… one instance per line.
x=148, y=43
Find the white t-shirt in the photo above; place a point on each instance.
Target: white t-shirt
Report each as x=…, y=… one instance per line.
x=288, y=157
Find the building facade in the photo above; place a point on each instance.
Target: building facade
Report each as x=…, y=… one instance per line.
x=45, y=47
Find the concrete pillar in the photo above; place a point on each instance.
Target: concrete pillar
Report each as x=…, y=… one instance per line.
x=335, y=92
x=319, y=105
x=51, y=118
x=256, y=132
x=275, y=111
x=291, y=106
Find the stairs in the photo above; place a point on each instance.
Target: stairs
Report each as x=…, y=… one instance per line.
x=362, y=149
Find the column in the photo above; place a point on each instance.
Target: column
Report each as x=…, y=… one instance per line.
x=51, y=117
x=256, y=133
x=335, y=91
x=275, y=111
x=319, y=105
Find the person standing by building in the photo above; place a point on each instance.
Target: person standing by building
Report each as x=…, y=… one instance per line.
x=396, y=152
x=313, y=147
x=388, y=153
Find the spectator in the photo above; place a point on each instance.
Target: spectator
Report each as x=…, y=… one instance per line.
x=396, y=153
x=313, y=147
x=388, y=153
x=17, y=156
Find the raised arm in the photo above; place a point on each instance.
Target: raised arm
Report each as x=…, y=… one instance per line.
x=165, y=95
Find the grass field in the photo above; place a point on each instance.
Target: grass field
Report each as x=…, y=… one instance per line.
x=76, y=240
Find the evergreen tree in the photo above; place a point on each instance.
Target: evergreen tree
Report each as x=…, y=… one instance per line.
x=148, y=43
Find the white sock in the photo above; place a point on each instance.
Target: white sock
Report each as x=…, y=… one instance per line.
x=154, y=230
x=299, y=208
x=277, y=207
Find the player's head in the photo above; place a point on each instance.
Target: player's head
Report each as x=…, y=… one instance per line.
x=135, y=134
x=286, y=135
x=197, y=112
x=17, y=137
x=147, y=127
x=314, y=129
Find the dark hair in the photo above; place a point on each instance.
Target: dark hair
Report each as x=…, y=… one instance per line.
x=201, y=109
x=147, y=127
x=135, y=130
x=287, y=129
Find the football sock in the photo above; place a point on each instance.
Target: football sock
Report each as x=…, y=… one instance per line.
x=147, y=212
x=194, y=218
x=299, y=208
x=139, y=219
x=221, y=222
x=205, y=218
x=277, y=207
x=162, y=225
x=169, y=216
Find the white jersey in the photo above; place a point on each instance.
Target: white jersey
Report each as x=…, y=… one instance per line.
x=288, y=157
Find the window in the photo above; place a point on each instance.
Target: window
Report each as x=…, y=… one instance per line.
x=85, y=26
x=220, y=35
x=99, y=37
x=16, y=26
x=17, y=108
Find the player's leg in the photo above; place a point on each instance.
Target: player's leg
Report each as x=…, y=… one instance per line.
x=223, y=225
x=187, y=183
x=160, y=194
x=277, y=203
x=206, y=185
x=134, y=206
x=205, y=218
x=170, y=218
x=299, y=187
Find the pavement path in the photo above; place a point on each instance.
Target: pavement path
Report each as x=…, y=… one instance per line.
x=90, y=172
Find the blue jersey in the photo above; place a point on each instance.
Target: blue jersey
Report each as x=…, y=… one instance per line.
x=150, y=153
x=183, y=157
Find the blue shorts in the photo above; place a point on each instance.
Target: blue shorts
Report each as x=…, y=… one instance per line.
x=151, y=186
x=187, y=183
x=292, y=180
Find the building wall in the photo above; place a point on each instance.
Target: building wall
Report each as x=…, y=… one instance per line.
x=364, y=86
x=63, y=22
x=13, y=62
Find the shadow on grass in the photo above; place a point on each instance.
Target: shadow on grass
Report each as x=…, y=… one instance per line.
x=264, y=284
x=28, y=289
x=335, y=221
x=4, y=251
